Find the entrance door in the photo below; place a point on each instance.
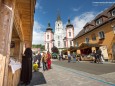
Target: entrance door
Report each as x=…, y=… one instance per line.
x=113, y=50
x=104, y=52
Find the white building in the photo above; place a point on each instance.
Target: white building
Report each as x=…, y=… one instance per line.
x=62, y=36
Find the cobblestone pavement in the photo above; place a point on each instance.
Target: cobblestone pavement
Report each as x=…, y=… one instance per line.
x=62, y=76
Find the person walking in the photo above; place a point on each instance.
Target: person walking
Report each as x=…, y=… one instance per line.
x=49, y=60
x=26, y=72
x=74, y=57
x=59, y=57
x=69, y=58
x=38, y=57
x=44, y=61
x=98, y=53
x=95, y=56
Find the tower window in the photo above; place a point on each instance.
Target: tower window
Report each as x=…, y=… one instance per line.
x=58, y=37
x=47, y=36
x=70, y=43
x=69, y=33
x=48, y=46
x=65, y=43
x=58, y=24
x=58, y=43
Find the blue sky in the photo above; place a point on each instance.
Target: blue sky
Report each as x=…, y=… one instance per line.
x=79, y=11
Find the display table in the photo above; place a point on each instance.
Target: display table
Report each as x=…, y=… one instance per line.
x=15, y=65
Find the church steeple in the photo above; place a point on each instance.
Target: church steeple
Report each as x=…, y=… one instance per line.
x=58, y=17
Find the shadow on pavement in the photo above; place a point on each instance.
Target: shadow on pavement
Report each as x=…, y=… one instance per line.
x=38, y=79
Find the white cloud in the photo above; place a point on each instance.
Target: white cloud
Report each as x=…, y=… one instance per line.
x=80, y=21
x=76, y=9
x=38, y=34
x=38, y=6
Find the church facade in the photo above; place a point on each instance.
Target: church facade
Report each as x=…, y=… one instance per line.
x=61, y=37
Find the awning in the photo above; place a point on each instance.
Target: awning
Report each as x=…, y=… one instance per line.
x=88, y=45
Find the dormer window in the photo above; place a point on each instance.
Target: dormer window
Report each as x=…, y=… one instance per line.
x=86, y=29
x=101, y=35
x=113, y=12
x=99, y=21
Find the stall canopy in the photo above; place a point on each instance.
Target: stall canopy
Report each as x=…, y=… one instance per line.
x=88, y=45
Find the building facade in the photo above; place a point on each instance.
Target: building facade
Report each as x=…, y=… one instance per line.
x=99, y=33
x=62, y=37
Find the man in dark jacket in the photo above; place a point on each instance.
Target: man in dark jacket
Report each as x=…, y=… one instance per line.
x=98, y=54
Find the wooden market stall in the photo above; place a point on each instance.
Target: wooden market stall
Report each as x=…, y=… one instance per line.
x=16, y=27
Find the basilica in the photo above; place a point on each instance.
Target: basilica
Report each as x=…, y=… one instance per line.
x=61, y=37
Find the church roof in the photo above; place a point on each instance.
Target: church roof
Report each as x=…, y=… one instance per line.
x=69, y=23
x=49, y=28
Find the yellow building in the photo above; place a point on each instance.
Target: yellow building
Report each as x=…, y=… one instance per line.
x=16, y=27
x=99, y=33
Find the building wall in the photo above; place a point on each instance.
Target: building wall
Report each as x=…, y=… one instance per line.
x=109, y=37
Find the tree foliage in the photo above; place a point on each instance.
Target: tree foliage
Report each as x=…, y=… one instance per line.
x=42, y=47
x=55, y=50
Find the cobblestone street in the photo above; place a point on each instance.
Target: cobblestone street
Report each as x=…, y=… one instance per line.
x=63, y=76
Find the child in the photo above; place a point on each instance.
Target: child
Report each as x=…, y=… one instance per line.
x=35, y=66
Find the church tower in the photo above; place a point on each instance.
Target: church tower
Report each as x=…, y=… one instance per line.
x=48, y=38
x=69, y=34
x=59, y=33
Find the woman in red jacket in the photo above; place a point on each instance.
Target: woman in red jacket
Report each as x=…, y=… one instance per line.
x=49, y=60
